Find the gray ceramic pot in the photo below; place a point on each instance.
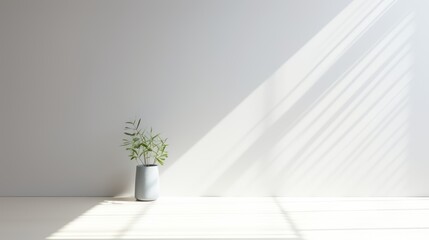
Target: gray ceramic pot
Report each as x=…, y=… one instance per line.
x=147, y=183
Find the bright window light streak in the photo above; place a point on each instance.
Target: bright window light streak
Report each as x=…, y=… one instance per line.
x=346, y=87
x=241, y=128
x=322, y=154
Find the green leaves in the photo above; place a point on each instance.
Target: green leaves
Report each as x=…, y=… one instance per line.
x=146, y=144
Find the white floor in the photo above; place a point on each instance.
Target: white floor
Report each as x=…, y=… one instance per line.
x=215, y=218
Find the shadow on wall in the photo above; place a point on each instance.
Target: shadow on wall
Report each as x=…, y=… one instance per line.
x=333, y=120
x=419, y=102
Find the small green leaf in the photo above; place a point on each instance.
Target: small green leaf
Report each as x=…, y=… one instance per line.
x=138, y=124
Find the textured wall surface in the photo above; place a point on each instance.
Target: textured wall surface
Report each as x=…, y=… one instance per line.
x=257, y=98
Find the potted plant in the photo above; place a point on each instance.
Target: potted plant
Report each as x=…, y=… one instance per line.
x=148, y=150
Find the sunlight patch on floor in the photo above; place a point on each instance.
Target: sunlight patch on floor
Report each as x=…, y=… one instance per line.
x=253, y=218
x=180, y=218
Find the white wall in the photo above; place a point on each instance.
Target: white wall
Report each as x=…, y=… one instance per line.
x=291, y=98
